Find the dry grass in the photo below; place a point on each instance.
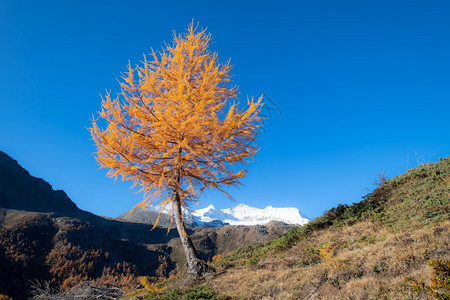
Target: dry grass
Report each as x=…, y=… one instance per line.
x=375, y=249
x=362, y=261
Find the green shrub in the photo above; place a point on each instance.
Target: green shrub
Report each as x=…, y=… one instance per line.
x=197, y=292
x=440, y=282
x=202, y=292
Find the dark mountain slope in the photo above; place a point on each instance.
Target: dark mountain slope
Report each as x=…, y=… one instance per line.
x=19, y=190
x=212, y=241
x=66, y=250
x=45, y=237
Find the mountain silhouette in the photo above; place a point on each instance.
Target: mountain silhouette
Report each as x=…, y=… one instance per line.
x=19, y=190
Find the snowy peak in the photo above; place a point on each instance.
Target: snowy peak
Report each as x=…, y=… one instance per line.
x=246, y=215
x=210, y=213
x=210, y=216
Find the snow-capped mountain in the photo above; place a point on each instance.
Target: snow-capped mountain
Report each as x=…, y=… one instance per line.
x=247, y=215
x=211, y=216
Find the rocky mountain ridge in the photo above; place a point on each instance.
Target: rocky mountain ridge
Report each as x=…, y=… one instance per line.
x=212, y=217
x=21, y=191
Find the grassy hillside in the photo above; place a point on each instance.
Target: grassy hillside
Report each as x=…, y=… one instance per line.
x=377, y=248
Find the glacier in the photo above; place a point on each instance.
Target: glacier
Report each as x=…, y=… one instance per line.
x=246, y=215
x=239, y=215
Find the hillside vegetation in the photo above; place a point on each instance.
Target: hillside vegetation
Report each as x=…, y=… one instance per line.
x=378, y=248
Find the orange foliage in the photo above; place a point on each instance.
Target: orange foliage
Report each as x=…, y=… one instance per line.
x=174, y=125
x=217, y=257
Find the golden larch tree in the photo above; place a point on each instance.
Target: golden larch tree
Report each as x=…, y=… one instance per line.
x=175, y=130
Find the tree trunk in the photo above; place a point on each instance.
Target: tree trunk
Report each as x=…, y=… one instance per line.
x=195, y=266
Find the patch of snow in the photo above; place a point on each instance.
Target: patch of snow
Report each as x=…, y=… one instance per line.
x=247, y=215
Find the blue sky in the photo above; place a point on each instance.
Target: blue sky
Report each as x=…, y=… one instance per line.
x=362, y=86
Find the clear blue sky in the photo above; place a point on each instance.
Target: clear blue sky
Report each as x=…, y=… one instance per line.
x=362, y=86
